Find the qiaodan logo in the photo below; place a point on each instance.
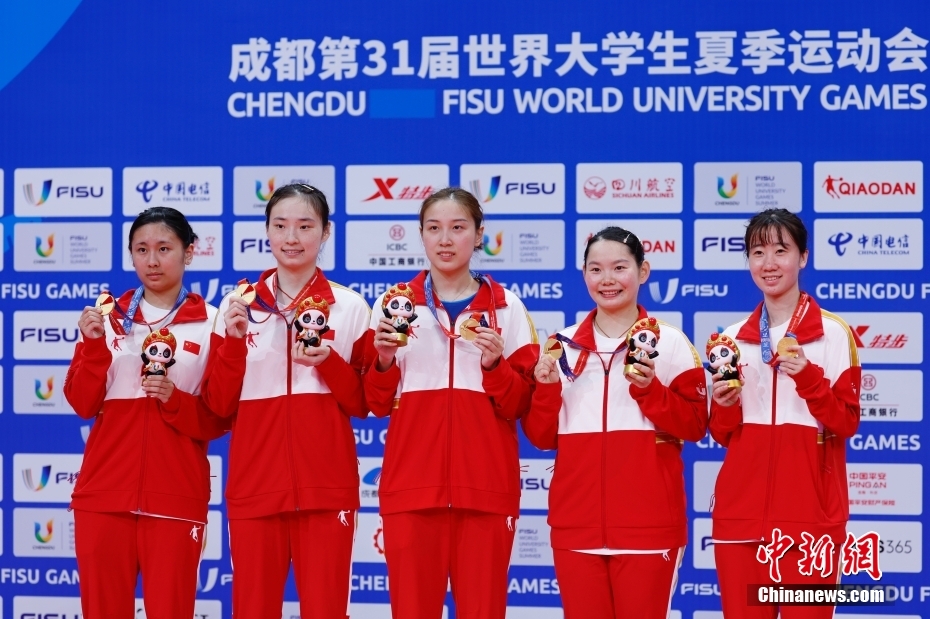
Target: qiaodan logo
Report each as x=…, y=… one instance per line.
x=31, y=196
x=723, y=192
x=50, y=246
x=50, y=387
x=476, y=188
x=656, y=291
x=37, y=485
x=49, y=528
x=264, y=197
x=499, y=239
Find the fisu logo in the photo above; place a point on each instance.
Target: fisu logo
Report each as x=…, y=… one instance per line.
x=655, y=291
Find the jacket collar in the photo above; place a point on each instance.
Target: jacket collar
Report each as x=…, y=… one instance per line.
x=194, y=308
x=584, y=335
x=810, y=329
x=481, y=302
x=263, y=289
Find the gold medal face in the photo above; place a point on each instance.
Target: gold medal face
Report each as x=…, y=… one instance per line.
x=783, y=345
x=467, y=330
x=105, y=303
x=246, y=291
x=553, y=348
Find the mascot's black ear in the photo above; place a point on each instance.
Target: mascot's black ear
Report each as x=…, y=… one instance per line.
x=144, y=358
x=387, y=314
x=170, y=363
x=735, y=358
x=325, y=329
x=298, y=326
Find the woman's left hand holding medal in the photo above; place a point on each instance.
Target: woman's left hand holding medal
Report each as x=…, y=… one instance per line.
x=546, y=370
x=91, y=321
x=158, y=386
x=491, y=344
x=793, y=361
x=237, y=316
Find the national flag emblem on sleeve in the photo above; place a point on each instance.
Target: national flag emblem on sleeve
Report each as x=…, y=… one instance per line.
x=192, y=347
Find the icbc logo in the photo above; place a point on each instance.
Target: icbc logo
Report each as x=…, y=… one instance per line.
x=868, y=382
x=397, y=232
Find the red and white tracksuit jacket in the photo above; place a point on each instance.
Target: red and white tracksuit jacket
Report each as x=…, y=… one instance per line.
x=618, y=480
x=785, y=464
x=452, y=439
x=292, y=445
x=143, y=455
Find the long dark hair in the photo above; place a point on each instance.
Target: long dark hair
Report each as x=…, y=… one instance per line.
x=172, y=218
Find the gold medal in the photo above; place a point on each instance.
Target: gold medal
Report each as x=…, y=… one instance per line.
x=467, y=330
x=553, y=348
x=783, y=345
x=105, y=303
x=246, y=291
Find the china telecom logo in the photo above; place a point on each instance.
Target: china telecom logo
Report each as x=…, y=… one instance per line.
x=42, y=481
x=499, y=239
x=50, y=243
x=50, y=387
x=476, y=189
x=44, y=538
x=264, y=197
x=723, y=192
x=30, y=194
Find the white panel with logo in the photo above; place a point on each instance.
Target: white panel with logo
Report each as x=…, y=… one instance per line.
x=195, y=191
x=522, y=245
x=868, y=186
x=516, y=188
x=885, y=489
x=369, y=472
x=63, y=246
x=254, y=185
x=45, y=335
x=45, y=478
x=43, y=532
x=900, y=546
x=39, y=390
x=719, y=245
x=747, y=187
x=638, y=188
x=392, y=245
x=63, y=192
x=892, y=395
x=887, y=337
x=661, y=239
x=868, y=244
x=216, y=479
x=392, y=189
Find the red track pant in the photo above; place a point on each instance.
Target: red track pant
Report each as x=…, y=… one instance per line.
x=425, y=548
x=737, y=568
x=319, y=543
x=627, y=586
x=113, y=548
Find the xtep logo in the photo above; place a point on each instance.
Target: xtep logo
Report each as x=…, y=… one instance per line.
x=723, y=192
x=50, y=243
x=499, y=239
x=47, y=536
x=476, y=188
x=37, y=485
x=264, y=197
x=50, y=387
x=656, y=291
x=385, y=185
x=30, y=195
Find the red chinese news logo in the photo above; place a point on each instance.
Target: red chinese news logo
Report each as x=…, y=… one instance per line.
x=857, y=554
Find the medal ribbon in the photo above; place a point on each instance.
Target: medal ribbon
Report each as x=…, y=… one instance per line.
x=431, y=303
x=572, y=373
x=274, y=310
x=800, y=309
x=129, y=317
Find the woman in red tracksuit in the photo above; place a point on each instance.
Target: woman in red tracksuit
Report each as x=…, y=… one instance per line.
x=784, y=474
x=292, y=491
x=617, y=499
x=450, y=484
x=140, y=502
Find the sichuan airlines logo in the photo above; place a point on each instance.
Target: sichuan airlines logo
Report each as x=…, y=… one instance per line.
x=37, y=484
x=492, y=192
x=722, y=192
x=50, y=388
x=385, y=190
x=260, y=193
x=33, y=198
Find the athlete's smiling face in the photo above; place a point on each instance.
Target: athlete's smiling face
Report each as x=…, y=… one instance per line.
x=296, y=233
x=612, y=276
x=775, y=263
x=449, y=236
